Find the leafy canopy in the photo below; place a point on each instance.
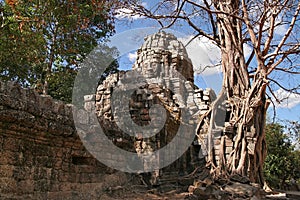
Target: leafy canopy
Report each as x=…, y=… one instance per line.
x=44, y=41
x=283, y=161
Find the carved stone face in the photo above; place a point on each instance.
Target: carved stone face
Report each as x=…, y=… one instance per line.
x=154, y=67
x=151, y=68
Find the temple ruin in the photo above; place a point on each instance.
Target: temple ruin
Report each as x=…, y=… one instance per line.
x=159, y=60
x=43, y=157
x=43, y=153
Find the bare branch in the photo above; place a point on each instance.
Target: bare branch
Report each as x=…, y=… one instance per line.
x=178, y=11
x=200, y=31
x=284, y=54
x=270, y=34
x=291, y=90
x=261, y=23
x=192, y=39
x=293, y=50
x=209, y=67
x=287, y=70
x=275, y=97
x=273, y=104
x=283, y=40
x=250, y=58
x=252, y=35
x=272, y=26
x=209, y=10
x=213, y=24
x=141, y=10
x=249, y=26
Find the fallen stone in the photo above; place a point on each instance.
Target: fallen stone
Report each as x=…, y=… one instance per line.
x=241, y=190
x=240, y=179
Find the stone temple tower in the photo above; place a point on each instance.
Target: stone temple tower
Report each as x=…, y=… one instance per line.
x=167, y=78
x=160, y=53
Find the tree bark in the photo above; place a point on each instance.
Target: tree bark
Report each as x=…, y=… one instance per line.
x=234, y=23
x=247, y=102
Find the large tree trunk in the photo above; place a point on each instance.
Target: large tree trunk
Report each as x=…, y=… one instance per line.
x=246, y=153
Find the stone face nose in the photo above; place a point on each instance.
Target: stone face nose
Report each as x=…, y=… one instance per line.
x=161, y=54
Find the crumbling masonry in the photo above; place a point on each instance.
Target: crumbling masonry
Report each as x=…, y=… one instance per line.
x=159, y=60
x=42, y=156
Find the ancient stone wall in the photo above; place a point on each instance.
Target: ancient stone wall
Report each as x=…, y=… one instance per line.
x=166, y=78
x=41, y=156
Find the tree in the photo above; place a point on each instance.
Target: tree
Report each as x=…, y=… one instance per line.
x=21, y=48
x=39, y=38
x=247, y=81
x=62, y=78
x=293, y=128
x=283, y=161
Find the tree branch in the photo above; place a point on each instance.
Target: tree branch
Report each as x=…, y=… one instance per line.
x=250, y=58
x=178, y=11
x=272, y=28
x=274, y=106
x=232, y=14
x=252, y=36
x=273, y=94
x=292, y=90
x=283, y=40
x=284, y=54
x=287, y=71
x=213, y=23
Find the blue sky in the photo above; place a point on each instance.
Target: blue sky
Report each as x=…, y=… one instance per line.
x=130, y=31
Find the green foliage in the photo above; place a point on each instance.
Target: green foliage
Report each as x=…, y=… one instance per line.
x=40, y=38
x=283, y=161
x=21, y=48
x=62, y=78
x=293, y=128
x=61, y=84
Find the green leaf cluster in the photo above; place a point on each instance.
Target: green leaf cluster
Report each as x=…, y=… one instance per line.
x=282, y=163
x=43, y=42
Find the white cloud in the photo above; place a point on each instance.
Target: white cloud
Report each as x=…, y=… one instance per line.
x=247, y=50
x=289, y=100
x=132, y=57
x=280, y=29
x=204, y=54
x=144, y=4
x=126, y=13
